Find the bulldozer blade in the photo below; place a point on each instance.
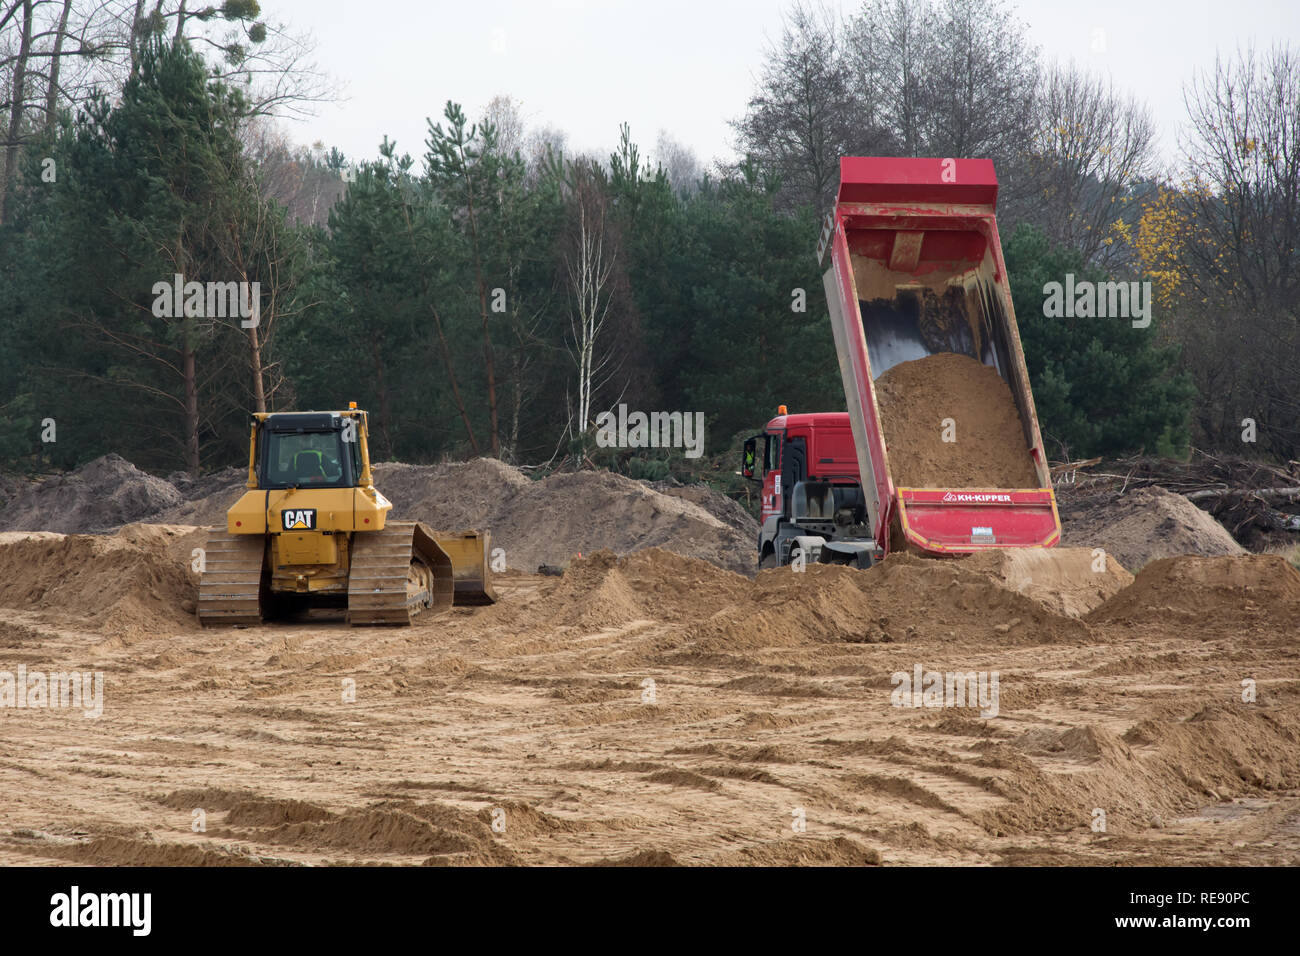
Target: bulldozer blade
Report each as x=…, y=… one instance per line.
x=469, y=551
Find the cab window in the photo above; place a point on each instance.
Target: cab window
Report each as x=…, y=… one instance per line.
x=772, y=453
x=303, y=458
x=353, y=448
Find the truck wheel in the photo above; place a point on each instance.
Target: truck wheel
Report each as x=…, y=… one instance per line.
x=768, y=560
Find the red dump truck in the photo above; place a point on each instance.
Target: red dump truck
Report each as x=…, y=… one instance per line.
x=916, y=270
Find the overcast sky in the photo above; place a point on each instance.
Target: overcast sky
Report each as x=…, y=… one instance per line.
x=685, y=66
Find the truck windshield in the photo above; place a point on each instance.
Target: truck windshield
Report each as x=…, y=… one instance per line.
x=302, y=458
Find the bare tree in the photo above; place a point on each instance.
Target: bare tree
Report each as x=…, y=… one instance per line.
x=802, y=117
x=299, y=178
x=506, y=115
x=953, y=78
x=255, y=247
x=589, y=265
x=680, y=164
x=1242, y=153
x=54, y=53
x=56, y=62
x=887, y=50
x=272, y=62
x=980, y=76
x=1090, y=147
x=1242, y=214
x=544, y=146
x=17, y=95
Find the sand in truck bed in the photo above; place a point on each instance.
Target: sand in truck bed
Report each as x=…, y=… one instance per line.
x=917, y=397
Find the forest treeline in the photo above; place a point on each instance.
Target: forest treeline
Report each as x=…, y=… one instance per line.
x=493, y=293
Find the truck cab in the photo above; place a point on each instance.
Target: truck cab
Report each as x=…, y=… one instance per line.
x=812, y=507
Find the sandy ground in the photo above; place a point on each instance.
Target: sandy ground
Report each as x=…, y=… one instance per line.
x=526, y=733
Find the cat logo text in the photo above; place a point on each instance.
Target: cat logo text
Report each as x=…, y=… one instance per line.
x=298, y=519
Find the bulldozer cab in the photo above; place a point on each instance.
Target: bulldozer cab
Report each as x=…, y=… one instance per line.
x=308, y=449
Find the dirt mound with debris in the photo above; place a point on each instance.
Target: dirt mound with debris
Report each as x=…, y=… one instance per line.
x=99, y=496
x=204, y=499
x=989, y=451
x=551, y=520
x=1212, y=591
x=1252, y=498
x=1145, y=525
x=1069, y=581
x=130, y=583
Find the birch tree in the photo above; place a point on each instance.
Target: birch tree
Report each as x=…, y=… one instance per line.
x=589, y=267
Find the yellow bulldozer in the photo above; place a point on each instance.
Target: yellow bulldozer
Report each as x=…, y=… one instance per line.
x=312, y=531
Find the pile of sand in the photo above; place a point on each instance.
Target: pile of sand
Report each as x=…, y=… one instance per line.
x=136, y=581
x=1212, y=592
x=100, y=496
x=605, y=590
x=728, y=510
x=1184, y=761
x=903, y=598
x=535, y=522
x=549, y=521
x=1144, y=525
x=948, y=599
x=1069, y=581
x=989, y=451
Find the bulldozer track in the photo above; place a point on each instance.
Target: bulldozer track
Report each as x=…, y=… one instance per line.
x=232, y=589
x=397, y=573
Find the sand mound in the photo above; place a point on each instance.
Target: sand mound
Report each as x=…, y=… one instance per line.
x=535, y=522
x=728, y=510
x=124, y=851
x=822, y=605
x=1211, y=591
x=1144, y=525
x=639, y=859
x=803, y=851
x=604, y=590
x=99, y=496
x=1214, y=754
x=943, y=599
x=446, y=835
x=549, y=521
x=263, y=812
x=1063, y=580
x=125, y=584
x=902, y=598
x=989, y=452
